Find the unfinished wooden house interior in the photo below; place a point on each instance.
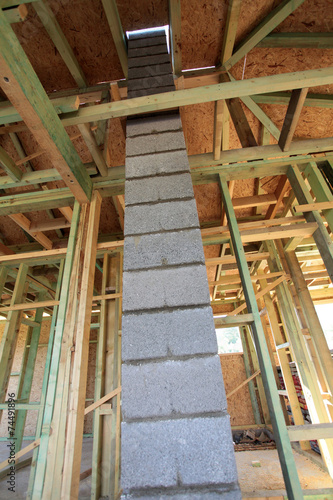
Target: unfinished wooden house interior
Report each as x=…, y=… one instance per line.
x=166, y=256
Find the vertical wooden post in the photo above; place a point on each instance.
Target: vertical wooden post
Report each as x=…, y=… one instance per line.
x=45, y=381
x=38, y=485
x=10, y=334
x=291, y=479
x=320, y=189
x=27, y=372
x=252, y=391
x=75, y=422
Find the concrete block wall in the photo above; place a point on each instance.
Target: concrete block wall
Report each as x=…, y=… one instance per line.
x=176, y=435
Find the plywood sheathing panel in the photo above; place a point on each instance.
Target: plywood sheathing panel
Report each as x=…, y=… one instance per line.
x=116, y=143
x=109, y=222
x=43, y=55
x=141, y=14
x=239, y=405
x=268, y=62
x=312, y=17
x=201, y=32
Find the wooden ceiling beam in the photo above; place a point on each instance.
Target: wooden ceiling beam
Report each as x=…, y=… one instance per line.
x=274, y=18
x=51, y=225
x=283, y=98
x=23, y=88
x=292, y=116
x=175, y=35
x=118, y=35
x=8, y=114
x=298, y=41
x=22, y=221
x=209, y=93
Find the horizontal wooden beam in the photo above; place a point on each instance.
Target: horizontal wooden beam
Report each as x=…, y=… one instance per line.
x=209, y=93
x=298, y=40
x=322, y=205
x=310, y=432
x=22, y=221
x=282, y=98
x=8, y=114
x=230, y=259
x=233, y=321
x=50, y=225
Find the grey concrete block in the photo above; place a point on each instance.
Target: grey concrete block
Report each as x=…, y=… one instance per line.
x=143, y=92
x=160, y=217
x=154, y=189
x=181, y=332
x=147, y=35
x=165, y=249
x=147, y=71
x=217, y=493
x=151, y=125
x=155, y=143
x=153, y=49
x=145, y=42
x=161, y=163
x=148, y=60
x=188, y=452
x=150, y=82
x=173, y=388
x=159, y=288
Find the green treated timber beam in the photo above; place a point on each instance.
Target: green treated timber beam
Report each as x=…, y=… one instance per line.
x=9, y=166
x=298, y=40
x=320, y=189
x=274, y=18
x=283, y=445
x=283, y=98
x=52, y=27
x=8, y=113
x=209, y=93
x=23, y=88
x=175, y=35
x=259, y=113
x=112, y=15
x=5, y=4
x=16, y=14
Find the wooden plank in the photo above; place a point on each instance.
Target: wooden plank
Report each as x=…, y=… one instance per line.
x=37, y=483
x=102, y=400
x=96, y=153
x=229, y=33
x=231, y=393
x=10, y=334
x=280, y=432
x=282, y=98
x=230, y=259
x=175, y=35
x=233, y=321
x=280, y=192
x=52, y=27
x=29, y=306
x=292, y=116
x=23, y=88
x=57, y=223
x=8, y=113
x=274, y=18
x=16, y=14
x=77, y=391
x=112, y=15
x=298, y=40
x=209, y=93
x=9, y=166
x=25, y=224
x=309, y=207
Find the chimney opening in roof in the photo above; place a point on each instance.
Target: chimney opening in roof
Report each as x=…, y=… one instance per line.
x=151, y=30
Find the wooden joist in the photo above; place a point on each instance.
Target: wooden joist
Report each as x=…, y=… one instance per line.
x=9, y=166
x=292, y=116
x=23, y=88
x=175, y=35
x=112, y=15
x=22, y=221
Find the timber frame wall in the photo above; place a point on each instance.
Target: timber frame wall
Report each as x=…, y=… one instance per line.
x=273, y=287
